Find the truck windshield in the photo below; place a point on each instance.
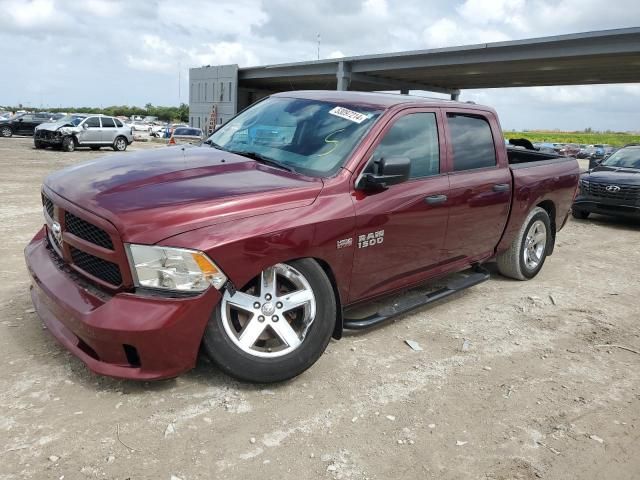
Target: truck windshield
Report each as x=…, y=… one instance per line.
x=625, y=158
x=308, y=136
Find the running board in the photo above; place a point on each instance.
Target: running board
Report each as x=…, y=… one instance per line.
x=479, y=275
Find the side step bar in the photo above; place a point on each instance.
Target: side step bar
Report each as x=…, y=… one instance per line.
x=479, y=275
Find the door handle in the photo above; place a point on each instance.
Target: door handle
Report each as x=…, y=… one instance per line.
x=435, y=199
x=501, y=187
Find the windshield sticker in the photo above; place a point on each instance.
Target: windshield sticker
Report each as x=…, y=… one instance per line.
x=348, y=114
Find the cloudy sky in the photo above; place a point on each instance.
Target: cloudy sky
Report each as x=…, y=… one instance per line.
x=101, y=52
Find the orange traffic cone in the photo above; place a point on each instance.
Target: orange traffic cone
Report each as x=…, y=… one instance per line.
x=172, y=141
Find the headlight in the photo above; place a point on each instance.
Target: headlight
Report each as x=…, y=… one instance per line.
x=175, y=269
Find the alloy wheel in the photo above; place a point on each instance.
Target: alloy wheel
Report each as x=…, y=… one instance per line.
x=535, y=244
x=272, y=315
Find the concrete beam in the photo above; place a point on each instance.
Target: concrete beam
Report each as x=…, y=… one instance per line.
x=391, y=84
x=343, y=76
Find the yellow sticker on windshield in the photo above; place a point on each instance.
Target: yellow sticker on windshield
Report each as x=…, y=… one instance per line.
x=348, y=114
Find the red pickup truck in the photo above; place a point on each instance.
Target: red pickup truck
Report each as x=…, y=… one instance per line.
x=259, y=243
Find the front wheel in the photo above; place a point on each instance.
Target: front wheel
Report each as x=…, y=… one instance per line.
x=120, y=144
x=528, y=251
x=6, y=131
x=68, y=144
x=275, y=327
x=39, y=145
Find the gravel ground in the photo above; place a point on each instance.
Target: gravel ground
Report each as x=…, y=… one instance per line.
x=535, y=392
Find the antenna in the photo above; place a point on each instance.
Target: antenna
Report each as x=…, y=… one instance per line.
x=318, y=46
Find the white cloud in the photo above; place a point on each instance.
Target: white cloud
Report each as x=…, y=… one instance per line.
x=336, y=54
x=446, y=32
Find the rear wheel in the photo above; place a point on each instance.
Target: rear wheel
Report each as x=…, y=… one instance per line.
x=120, y=144
x=275, y=327
x=579, y=214
x=528, y=251
x=68, y=144
x=6, y=131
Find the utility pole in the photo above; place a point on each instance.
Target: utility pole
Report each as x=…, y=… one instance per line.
x=179, y=83
x=318, y=46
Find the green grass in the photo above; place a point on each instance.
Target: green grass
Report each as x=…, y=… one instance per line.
x=615, y=139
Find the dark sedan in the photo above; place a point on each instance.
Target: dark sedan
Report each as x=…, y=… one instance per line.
x=612, y=187
x=22, y=124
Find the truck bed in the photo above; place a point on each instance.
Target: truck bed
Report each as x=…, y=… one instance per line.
x=523, y=157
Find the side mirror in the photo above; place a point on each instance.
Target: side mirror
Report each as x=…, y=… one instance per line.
x=390, y=171
x=85, y=126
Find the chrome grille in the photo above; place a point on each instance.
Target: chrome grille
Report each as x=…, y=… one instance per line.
x=87, y=231
x=48, y=205
x=103, y=269
x=625, y=192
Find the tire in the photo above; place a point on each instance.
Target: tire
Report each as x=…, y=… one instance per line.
x=120, y=144
x=6, y=131
x=266, y=357
x=579, y=214
x=94, y=147
x=68, y=144
x=528, y=251
x=39, y=145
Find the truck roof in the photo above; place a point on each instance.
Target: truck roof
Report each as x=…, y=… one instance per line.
x=377, y=99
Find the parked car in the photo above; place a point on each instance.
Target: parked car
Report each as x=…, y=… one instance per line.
x=158, y=130
x=258, y=243
x=545, y=147
x=185, y=135
x=141, y=127
x=612, y=187
x=93, y=131
x=22, y=124
x=569, y=150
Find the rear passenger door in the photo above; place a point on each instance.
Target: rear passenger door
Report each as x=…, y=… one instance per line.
x=480, y=185
x=108, y=132
x=400, y=230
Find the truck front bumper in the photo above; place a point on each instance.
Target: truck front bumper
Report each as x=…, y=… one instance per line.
x=123, y=335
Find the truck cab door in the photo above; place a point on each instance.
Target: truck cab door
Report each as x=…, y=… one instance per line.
x=90, y=132
x=400, y=230
x=480, y=182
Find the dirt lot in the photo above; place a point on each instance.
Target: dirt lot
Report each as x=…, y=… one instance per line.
x=535, y=394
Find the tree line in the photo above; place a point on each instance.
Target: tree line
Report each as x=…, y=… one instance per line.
x=169, y=114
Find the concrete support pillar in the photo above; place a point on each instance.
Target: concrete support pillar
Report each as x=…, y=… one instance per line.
x=404, y=91
x=455, y=96
x=343, y=75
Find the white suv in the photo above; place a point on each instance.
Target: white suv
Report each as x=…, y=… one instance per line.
x=78, y=130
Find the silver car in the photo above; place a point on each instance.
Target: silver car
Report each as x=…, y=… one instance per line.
x=82, y=130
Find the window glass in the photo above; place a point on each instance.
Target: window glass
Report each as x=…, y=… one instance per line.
x=27, y=118
x=472, y=142
x=117, y=122
x=107, y=122
x=92, y=122
x=414, y=136
x=310, y=136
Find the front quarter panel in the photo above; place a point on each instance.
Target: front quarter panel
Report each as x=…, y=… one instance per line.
x=243, y=248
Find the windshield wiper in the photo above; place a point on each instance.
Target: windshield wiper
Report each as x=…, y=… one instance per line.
x=262, y=159
x=213, y=144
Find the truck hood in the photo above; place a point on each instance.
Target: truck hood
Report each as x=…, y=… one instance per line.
x=622, y=176
x=155, y=194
